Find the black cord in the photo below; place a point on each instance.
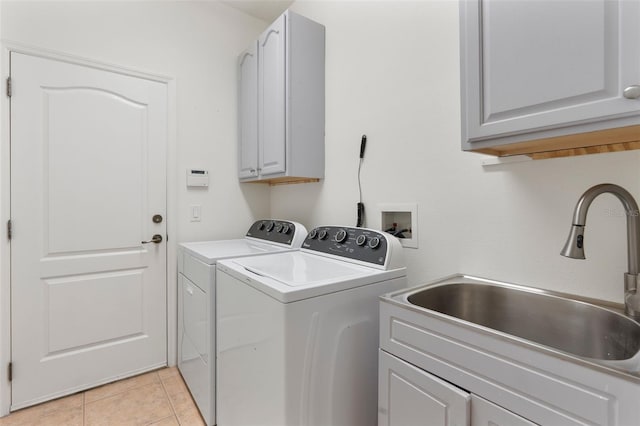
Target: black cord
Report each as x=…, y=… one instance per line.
x=360, y=209
x=359, y=184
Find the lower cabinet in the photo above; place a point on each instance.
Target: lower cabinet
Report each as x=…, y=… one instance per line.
x=526, y=380
x=409, y=396
x=485, y=413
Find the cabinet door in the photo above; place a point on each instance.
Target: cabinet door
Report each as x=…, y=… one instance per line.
x=541, y=65
x=485, y=413
x=248, y=112
x=272, y=106
x=408, y=396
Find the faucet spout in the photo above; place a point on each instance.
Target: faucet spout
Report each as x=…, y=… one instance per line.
x=574, y=247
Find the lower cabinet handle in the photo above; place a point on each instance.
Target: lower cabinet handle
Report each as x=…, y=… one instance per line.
x=632, y=92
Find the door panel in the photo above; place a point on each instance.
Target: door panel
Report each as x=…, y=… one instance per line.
x=409, y=396
x=81, y=149
x=88, y=172
x=272, y=96
x=101, y=296
x=532, y=66
x=485, y=413
x=248, y=98
x=555, y=84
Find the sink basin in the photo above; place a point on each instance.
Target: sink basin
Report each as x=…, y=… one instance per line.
x=562, y=323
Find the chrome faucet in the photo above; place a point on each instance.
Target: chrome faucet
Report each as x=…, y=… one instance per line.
x=575, y=243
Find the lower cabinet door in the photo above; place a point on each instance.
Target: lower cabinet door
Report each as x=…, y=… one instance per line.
x=408, y=396
x=485, y=413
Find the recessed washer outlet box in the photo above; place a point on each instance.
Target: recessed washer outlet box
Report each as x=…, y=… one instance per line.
x=401, y=220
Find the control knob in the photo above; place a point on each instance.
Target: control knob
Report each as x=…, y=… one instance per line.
x=313, y=234
x=285, y=229
x=322, y=235
x=270, y=226
x=361, y=240
x=279, y=228
x=341, y=235
x=374, y=243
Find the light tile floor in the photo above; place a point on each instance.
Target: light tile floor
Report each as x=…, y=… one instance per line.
x=158, y=398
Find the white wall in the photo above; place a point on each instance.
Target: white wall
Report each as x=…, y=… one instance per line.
x=196, y=43
x=393, y=73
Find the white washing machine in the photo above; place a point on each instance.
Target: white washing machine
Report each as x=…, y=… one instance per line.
x=298, y=331
x=196, y=300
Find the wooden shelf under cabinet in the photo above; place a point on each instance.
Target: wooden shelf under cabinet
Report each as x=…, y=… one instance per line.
x=610, y=140
x=285, y=180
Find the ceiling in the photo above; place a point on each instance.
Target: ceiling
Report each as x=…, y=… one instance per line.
x=267, y=10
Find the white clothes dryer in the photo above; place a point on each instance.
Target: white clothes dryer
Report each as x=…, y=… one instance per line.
x=196, y=300
x=298, y=331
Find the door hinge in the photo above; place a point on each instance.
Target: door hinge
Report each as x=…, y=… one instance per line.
x=9, y=87
x=10, y=372
x=9, y=229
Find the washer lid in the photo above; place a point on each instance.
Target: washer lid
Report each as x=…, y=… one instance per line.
x=297, y=275
x=210, y=252
x=296, y=269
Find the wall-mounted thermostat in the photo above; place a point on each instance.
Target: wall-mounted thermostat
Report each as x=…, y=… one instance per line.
x=198, y=178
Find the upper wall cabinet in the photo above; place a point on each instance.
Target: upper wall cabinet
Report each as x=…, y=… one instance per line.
x=281, y=98
x=550, y=77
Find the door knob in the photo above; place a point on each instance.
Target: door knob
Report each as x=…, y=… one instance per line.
x=157, y=239
x=632, y=92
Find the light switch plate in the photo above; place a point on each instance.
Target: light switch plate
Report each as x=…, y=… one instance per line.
x=195, y=212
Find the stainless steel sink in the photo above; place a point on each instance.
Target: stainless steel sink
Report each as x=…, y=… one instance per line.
x=562, y=323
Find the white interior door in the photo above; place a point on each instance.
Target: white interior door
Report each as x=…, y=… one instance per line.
x=88, y=173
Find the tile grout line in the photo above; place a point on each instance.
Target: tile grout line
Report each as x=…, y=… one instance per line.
x=162, y=419
x=173, y=409
x=157, y=374
x=122, y=380
x=84, y=401
x=84, y=411
x=124, y=390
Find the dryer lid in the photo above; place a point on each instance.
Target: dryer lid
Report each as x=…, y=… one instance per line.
x=210, y=252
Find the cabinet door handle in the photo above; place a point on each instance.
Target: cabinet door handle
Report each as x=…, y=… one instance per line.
x=632, y=92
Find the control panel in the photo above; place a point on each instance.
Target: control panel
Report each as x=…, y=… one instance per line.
x=277, y=231
x=361, y=244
